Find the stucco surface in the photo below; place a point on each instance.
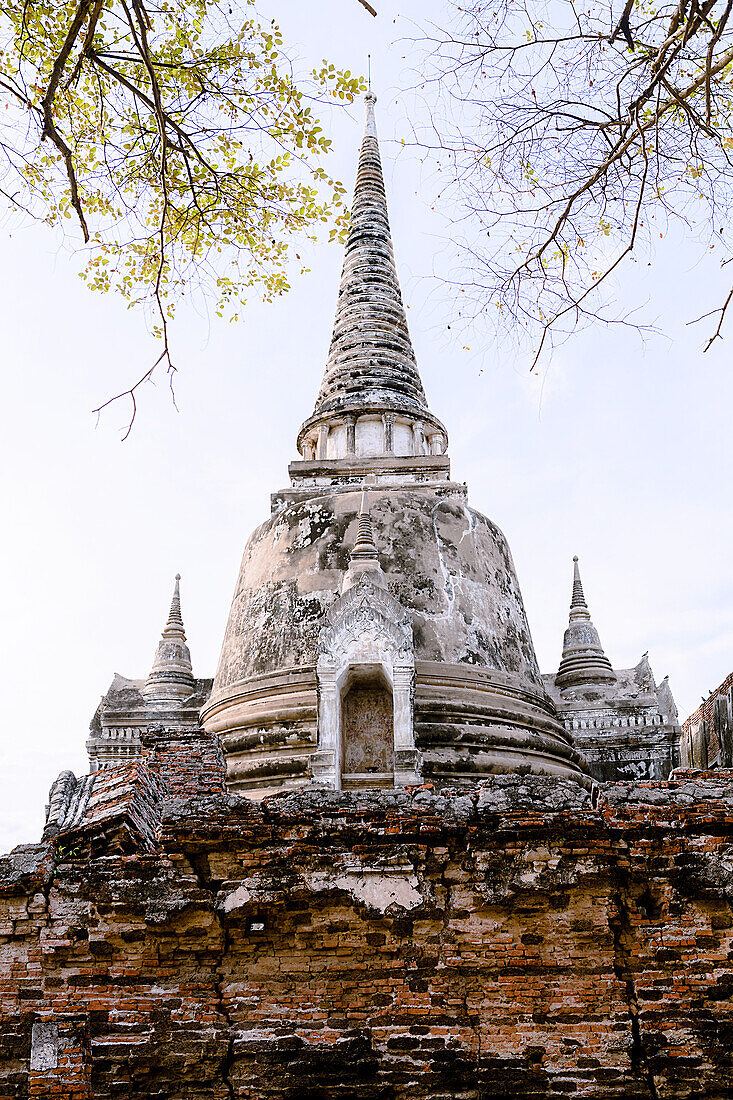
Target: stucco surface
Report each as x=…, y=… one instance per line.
x=449, y=566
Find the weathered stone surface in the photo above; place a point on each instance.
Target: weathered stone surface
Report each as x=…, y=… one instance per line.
x=44, y=1045
x=449, y=566
x=479, y=702
x=533, y=794
x=678, y=792
x=321, y=805
x=27, y=867
x=626, y=728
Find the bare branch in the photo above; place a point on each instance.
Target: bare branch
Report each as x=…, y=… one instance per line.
x=183, y=135
x=559, y=149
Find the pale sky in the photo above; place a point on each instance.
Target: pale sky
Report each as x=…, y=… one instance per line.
x=619, y=452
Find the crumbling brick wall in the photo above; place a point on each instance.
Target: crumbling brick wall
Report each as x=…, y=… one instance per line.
x=707, y=735
x=190, y=762
x=704, y=712
x=518, y=940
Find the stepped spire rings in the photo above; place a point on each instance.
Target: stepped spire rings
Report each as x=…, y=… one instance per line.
x=174, y=626
x=578, y=606
x=371, y=368
x=365, y=547
x=583, y=659
x=171, y=677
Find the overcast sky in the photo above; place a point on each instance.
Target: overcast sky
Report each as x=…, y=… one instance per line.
x=620, y=452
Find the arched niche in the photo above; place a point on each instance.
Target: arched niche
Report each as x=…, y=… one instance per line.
x=367, y=728
x=366, y=673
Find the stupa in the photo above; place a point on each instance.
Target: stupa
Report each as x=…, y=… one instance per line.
x=380, y=643
x=369, y=930
x=625, y=723
x=377, y=635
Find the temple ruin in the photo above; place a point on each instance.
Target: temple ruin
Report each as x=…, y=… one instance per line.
x=379, y=855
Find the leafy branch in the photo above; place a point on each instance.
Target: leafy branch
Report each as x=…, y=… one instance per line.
x=176, y=135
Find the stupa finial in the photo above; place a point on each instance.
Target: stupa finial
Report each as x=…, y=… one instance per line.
x=171, y=677
x=365, y=548
x=174, y=626
x=583, y=659
x=578, y=606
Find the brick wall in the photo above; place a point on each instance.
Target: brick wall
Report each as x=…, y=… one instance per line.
x=708, y=735
x=189, y=761
x=704, y=712
x=518, y=940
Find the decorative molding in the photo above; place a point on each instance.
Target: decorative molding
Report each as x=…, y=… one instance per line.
x=367, y=629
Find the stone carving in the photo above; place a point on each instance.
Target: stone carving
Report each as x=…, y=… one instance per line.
x=366, y=612
x=368, y=636
x=367, y=728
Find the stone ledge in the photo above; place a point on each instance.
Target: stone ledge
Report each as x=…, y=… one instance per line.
x=26, y=869
x=132, y=810
x=358, y=464
x=683, y=790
